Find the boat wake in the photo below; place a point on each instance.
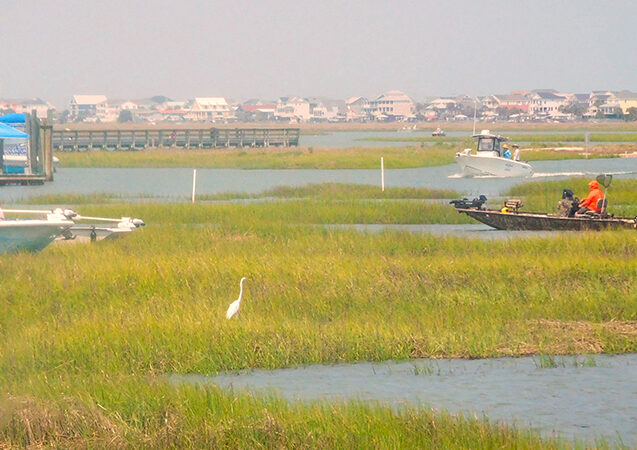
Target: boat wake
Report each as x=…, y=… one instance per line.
x=578, y=174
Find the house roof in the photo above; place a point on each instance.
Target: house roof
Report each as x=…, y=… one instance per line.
x=82, y=99
x=393, y=95
x=548, y=95
x=211, y=101
x=626, y=95
x=253, y=108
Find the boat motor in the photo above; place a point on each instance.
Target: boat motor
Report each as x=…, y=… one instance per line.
x=465, y=203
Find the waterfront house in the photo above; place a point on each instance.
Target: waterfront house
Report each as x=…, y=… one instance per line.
x=88, y=106
x=27, y=105
x=392, y=105
x=212, y=109
x=355, y=108
x=545, y=103
x=626, y=100
x=293, y=109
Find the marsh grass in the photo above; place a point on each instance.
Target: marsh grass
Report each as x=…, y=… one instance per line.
x=87, y=332
x=164, y=416
x=339, y=191
x=271, y=158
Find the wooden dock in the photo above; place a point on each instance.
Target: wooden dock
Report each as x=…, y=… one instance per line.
x=39, y=154
x=186, y=138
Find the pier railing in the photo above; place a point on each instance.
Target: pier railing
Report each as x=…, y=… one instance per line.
x=138, y=139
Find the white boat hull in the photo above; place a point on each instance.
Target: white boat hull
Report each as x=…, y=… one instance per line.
x=493, y=166
x=29, y=235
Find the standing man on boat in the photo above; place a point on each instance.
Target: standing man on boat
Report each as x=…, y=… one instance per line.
x=589, y=204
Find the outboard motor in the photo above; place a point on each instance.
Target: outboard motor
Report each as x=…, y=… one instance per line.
x=465, y=203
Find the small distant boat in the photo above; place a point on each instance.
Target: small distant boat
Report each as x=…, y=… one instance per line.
x=490, y=159
x=438, y=132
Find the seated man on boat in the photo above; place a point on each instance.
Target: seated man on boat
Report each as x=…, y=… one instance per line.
x=591, y=204
x=569, y=205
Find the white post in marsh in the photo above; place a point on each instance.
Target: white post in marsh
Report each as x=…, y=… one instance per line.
x=586, y=138
x=194, y=184
x=382, y=174
x=475, y=112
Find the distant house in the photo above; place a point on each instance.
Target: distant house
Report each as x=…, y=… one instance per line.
x=257, y=111
x=545, y=103
x=508, y=101
x=293, y=109
x=394, y=105
x=355, y=108
x=211, y=109
x=27, y=105
x=626, y=100
x=85, y=106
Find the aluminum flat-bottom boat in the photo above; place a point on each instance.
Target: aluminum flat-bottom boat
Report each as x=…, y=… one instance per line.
x=544, y=221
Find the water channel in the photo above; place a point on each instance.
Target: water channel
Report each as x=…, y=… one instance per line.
x=176, y=184
x=362, y=138
x=582, y=397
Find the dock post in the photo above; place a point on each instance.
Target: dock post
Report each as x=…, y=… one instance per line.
x=46, y=142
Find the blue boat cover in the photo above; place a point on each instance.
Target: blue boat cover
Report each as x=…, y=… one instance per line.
x=7, y=132
x=13, y=118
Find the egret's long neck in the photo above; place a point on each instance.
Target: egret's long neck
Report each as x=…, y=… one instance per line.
x=241, y=291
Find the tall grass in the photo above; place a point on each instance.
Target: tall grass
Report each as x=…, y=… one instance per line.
x=87, y=332
x=286, y=158
x=124, y=412
x=340, y=191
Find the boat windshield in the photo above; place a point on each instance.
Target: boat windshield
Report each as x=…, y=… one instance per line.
x=486, y=144
x=489, y=145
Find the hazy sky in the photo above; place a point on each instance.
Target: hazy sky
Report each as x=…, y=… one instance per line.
x=244, y=49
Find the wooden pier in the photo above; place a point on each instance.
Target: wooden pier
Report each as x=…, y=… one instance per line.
x=186, y=138
x=39, y=154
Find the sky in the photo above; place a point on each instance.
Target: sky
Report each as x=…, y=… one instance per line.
x=240, y=49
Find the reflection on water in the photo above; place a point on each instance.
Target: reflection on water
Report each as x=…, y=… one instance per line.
x=478, y=231
x=581, y=398
x=177, y=183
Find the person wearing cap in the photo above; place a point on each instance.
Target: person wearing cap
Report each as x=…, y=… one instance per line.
x=589, y=204
x=516, y=152
x=505, y=151
x=568, y=206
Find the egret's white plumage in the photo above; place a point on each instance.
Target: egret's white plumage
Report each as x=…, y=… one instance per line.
x=234, y=306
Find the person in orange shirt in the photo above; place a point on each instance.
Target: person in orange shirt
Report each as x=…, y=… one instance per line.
x=589, y=204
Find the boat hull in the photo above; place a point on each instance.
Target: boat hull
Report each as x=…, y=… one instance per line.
x=541, y=221
x=493, y=166
x=29, y=235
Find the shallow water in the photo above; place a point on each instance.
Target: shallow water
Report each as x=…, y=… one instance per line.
x=360, y=138
x=474, y=231
x=582, y=398
x=177, y=183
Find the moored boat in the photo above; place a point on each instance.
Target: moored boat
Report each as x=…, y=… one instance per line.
x=32, y=234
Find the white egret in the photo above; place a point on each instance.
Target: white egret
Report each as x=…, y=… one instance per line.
x=234, y=306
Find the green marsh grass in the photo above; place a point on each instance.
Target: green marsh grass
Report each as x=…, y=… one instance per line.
x=89, y=332
x=340, y=191
x=271, y=158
